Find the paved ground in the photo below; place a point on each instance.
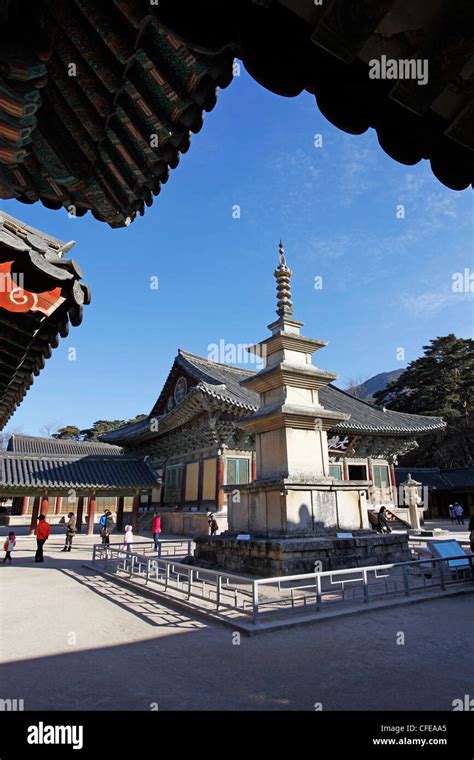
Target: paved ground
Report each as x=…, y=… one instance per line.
x=72, y=640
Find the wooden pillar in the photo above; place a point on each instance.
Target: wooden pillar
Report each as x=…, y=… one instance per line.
x=34, y=515
x=182, y=497
x=80, y=513
x=91, y=514
x=136, y=503
x=120, y=504
x=220, y=471
x=200, y=483
x=162, y=492
x=393, y=480
x=254, y=467
x=57, y=505
x=24, y=505
x=44, y=504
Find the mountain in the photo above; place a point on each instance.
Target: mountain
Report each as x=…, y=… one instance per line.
x=376, y=383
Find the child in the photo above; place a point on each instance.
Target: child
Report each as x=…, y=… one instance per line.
x=213, y=526
x=9, y=545
x=128, y=538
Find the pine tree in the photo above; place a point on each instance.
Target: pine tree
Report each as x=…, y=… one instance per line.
x=440, y=383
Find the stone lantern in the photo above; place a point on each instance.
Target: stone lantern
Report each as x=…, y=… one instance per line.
x=411, y=498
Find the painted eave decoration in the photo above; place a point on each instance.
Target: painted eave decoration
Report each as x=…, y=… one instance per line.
x=41, y=294
x=98, y=105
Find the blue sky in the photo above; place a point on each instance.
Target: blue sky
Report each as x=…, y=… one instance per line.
x=386, y=281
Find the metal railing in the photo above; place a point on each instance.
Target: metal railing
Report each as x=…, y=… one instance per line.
x=167, y=547
x=319, y=591
x=216, y=590
x=262, y=599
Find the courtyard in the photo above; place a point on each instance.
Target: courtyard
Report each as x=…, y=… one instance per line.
x=132, y=653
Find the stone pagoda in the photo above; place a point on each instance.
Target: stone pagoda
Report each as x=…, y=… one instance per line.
x=294, y=514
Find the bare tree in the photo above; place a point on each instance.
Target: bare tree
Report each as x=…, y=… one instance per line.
x=5, y=435
x=353, y=386
x=49, y=428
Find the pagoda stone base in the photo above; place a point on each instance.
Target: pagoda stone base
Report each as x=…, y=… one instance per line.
x=269, y=556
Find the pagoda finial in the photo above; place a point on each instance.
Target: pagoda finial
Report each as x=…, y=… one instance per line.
x=282, y=254
x=283, y=277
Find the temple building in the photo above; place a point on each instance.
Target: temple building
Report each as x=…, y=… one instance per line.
x=53, y=477
x=197, y=438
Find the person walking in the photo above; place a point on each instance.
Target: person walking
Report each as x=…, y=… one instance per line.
x=451, y=514
x=9, y=545
x=71, y=531
x=128, y=538
x=382, y=522
x=471, y=532
x=459, y=513
x=43, y=531
x=106, y=527
x=156, y=529
x=213, y=526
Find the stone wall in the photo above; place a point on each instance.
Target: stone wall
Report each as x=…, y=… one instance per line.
x=182, y=523
x=286, y=556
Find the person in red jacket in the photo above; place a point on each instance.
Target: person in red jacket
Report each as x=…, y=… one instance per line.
x=42, y=534
x=156, y=529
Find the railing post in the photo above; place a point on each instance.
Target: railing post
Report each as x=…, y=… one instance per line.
x=318, y=592
x=167, y=576
x=255, y=602
x=405, y=581
x=219, y=590
x=147, y=571
x=441, y=575
x=159, y=549
x=190, y=582
x=366, y=587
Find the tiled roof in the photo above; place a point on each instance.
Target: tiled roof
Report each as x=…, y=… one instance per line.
x=42, y=298
x=459, y=478
x=364, y=417
x=28, y=444
x=439, y=478
x=222, y=381
x=97, y=118
x=427, y=476
x=367, y=418
x=103, y=473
